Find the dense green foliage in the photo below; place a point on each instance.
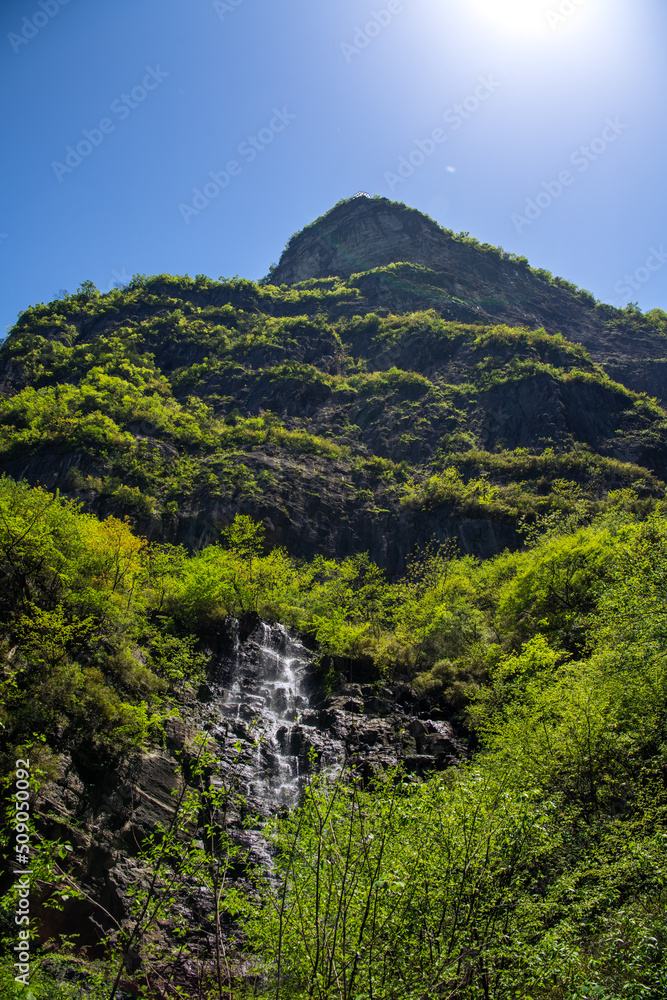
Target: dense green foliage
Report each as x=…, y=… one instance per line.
x=100, y=627
x=176, y=395
x=536, y=870
x=207, y=449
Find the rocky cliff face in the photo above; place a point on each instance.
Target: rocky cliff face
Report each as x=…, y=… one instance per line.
x=357, y=236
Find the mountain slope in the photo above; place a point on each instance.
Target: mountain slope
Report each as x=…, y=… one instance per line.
x=180, y=402
x=471, y=282
x=349, y=419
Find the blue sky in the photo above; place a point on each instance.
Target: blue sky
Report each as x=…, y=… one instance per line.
x=536, y=126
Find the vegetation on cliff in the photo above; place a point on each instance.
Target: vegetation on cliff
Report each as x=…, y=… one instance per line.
x=179, y=402
x=535, y=870
x=472, y=509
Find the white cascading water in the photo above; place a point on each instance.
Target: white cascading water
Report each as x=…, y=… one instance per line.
x=263, y=700
x=261, y=718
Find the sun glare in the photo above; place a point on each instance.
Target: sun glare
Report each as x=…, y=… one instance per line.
x=517, y=17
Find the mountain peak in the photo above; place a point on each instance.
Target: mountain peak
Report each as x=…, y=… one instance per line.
x=359, y=234
x=459, y=277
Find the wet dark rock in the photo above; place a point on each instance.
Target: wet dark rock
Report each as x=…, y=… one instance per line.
x=351, y=705
x=417, y=729
x=148, y=801
x=177, y=734
x=420, y=764
x=356, y=670
x=270, y=697
x=204, y=693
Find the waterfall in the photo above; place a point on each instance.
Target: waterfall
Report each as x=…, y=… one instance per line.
x=266, y=728
x=262, y=700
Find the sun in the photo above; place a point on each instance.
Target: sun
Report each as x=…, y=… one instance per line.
x=517, y=17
